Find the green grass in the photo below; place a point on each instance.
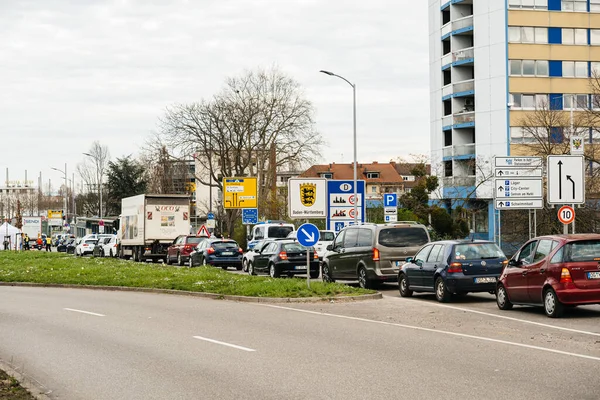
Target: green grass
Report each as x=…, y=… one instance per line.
x=10, y=389
x=60, y=268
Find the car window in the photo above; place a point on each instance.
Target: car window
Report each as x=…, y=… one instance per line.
x=582, y=250
x=194, y=240
x=259, y=233
x=351, y=238
x=403, y=237
x=526, y=254
x=339, y=239
x=558, y=256
x=224, y=245
x=365, y=237
x=293, y=247
x=435, y=252
x=279, y=231
x=477, y=251
x=326, y=236
x=270, y=248
x=542, y=250
x=423, y=253
x=91, y=241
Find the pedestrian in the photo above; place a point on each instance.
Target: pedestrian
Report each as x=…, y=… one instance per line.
x=49, y=244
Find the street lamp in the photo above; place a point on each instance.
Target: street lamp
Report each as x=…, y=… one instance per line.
x=66, y=204
x=100, y=171
x=354, y=124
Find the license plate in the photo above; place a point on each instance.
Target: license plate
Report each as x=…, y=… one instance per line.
x=227, y=253
x=488, y=279
x=593, y=275
x=300, y=267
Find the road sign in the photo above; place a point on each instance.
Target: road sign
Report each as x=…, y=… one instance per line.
x=203, y=231
x=210, y=216
x=576, y=144
x=340, y=212
x=519, y=204
x=307, y=198
x=308, y=235
x=517, y=172
x=566, y=179
x=100, y=228
x=101, y=223
x=519, y=188
x=390, y=211
x=518, y=162
x=250, y=216
x=211, y=223
x=390, y=200
x=566, y=214
x=240, y=193
x=391, y=218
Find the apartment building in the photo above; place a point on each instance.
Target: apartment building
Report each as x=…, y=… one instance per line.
x=491, y=63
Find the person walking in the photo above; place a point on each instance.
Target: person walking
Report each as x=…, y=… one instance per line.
x=48, y=243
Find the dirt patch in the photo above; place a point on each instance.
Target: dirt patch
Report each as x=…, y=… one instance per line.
x=11, y=390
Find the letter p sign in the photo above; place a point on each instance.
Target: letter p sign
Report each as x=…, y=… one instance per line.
x=390, y=200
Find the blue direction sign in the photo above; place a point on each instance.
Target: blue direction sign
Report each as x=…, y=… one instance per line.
x=210, y=216
x=249, y=216
x=390, y=200
x=308, y=235
x=340, y=196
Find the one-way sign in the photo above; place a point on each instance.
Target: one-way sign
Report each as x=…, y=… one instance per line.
x=566, y=179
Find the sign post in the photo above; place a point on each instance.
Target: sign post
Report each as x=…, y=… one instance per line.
x=566, y=215
x=308, y=235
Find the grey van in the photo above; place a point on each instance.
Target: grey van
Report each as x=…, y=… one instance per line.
x=372, y=253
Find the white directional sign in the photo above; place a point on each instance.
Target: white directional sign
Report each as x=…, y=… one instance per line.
x=518, y=162
x=518, y=172
x=519, y=188
x=307, y=198
x=519, y=204
x=566, y=179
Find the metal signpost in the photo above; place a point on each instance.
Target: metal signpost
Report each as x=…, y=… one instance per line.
x=211, y=223
x=566, y=184
x=308, y=235
x=240, y=193
x=341, y=202
x=307, y=198
x=390, y=207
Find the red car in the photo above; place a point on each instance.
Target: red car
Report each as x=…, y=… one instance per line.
x=553, y=271
x=181, y=248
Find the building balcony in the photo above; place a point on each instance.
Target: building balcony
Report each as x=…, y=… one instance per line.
x=464, y=120
x=463, y=56
x=462, y=26
x=454, y=181
x=459, y=151
x=461, y=89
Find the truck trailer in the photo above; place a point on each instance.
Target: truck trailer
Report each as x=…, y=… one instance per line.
x=149, y=223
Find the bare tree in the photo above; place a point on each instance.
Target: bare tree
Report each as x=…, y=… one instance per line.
x=92, y=170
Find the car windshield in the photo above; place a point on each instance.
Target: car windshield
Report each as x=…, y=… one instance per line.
x=582, y=250
x=403, y=237
x=279, y=231
x=91, y=241
x=477, y=251
x=327, y=236
x=292, y=247
x=195, y=240
x=224, y=245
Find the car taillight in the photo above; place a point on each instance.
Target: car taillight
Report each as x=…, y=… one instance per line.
x=210, y=250
x=375, y=254
x=188, y=247
x=240, y=250
x=565, y=276
x=455, y=267
x=85, y=245
x=283, y=255
x=316, y=256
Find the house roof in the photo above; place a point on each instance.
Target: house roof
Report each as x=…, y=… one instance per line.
x=387, y=172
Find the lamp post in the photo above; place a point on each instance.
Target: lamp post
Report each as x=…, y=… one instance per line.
x=100, y=172
x=66, y=203
x=354, y=139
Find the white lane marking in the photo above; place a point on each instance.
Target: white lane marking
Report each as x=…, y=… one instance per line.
x=84, y=312
x=501, y=316
x=419, y=328
x=223, y=343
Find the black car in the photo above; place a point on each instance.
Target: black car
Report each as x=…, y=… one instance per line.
x=452, y=267
x=284, y=257
x=217, y=252
x=249, y=255
x=70, y=246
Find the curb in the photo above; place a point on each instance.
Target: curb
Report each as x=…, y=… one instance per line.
x=35, y=388
x=215, y=296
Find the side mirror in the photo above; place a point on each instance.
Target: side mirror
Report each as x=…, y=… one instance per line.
x=514, y=263
x=329, y=247
x=409, y=259
x=249, y=238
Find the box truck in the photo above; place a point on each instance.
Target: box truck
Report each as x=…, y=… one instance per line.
x=32, y=226
x=149, y=223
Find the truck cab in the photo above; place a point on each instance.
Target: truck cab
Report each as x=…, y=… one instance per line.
x=269, y=230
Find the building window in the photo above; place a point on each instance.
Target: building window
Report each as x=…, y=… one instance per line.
x=373, y=189
x=595, y=35
x=327, y=175
x=575, y=69
x=574, y=36
x=581, y=101
x=529, y=4
x=595, y=5
x=529, y=67
x=372, y=175
x=526, y=34
x=573, y=5
x=529, y=101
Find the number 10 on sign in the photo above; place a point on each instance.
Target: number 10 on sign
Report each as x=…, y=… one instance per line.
x=566, y=214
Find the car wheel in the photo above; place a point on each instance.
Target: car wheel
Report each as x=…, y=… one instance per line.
x=273, y=271
x=245, y=265
x=441, y=291
x=363, y=281
x=326, y=273
x=179, y=260
x=168, y=260
x=502, y=298
x=251, y=270
x=552, y=306
x=403, y=286
x=191, y=262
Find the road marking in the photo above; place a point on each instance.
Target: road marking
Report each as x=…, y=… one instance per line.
x=419, y=328
x=84, y=312
x=223, y=343
x=501, y=316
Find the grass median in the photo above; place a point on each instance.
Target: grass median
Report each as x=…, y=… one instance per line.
x=60, y=268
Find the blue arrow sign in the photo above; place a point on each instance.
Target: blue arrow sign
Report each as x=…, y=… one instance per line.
x=210, y=216
x=308, y=235
x=390, y=200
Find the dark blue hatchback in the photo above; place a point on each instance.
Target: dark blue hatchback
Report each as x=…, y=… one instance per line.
x=452, y=267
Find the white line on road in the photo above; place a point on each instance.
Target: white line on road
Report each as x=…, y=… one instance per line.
x=419, y=328
x=84, y=312
x=500, y=316
x=223, y=343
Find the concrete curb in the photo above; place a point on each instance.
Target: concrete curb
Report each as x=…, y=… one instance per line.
x=375, y=296
x=35, y=388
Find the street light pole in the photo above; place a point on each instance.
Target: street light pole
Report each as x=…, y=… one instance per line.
x=66, y=202
x=100, y=171
x=355, y=182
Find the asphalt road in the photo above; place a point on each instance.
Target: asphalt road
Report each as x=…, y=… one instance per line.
x=81, y=344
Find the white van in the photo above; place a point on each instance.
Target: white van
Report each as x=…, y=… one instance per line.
x=269, y=230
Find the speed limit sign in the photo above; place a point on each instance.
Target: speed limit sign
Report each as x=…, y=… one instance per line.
x=566, y=214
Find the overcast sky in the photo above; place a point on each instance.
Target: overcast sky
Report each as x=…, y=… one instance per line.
x=75, y=71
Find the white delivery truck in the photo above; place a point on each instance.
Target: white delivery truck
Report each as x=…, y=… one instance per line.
x=32, y=226
x=149, y=223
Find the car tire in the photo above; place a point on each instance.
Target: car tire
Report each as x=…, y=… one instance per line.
x=251, y=270
x=326, y=273
x=502, y=300
x=403, y=286
x=191, y=262
x=274, y=271
x=441, y=291
x=552, y=306
x=245, y=265
x=179, y=260
x=168, y=260
x=314, y=274
x=363, y=280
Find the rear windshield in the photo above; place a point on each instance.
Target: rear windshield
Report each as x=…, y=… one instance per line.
x=327, y=236
x=279, y=231
x=477, y=251
x=584, y=250
x=195, y=240
x=91, y=241
x=403, y=237
x=293, y=247
x=225, y=245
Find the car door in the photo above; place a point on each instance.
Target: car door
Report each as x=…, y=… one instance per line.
x=515, y=280
x=261, y=260
x=349, y=254
x=413, y=269
x=536, y=271
x=334, y=256
x=434, y=260
x=172, y=250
